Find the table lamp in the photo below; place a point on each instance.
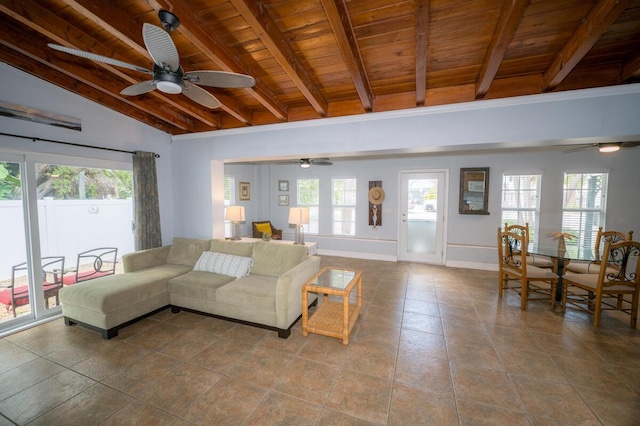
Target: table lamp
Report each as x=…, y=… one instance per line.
x=235, y=214
x=299, y=216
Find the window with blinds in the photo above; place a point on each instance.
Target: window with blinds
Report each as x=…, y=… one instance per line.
x=521, y=203
x=309, y=196
x=343, y=194
x=584, y=200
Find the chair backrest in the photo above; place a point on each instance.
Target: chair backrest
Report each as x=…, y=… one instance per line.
x=611, y=236
x=102, y=260
x=519, y=229
x=52, y=267
x=512, y=248
x=624, y=262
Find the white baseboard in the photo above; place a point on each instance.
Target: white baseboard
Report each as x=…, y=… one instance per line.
x=366, y=256
x=471, y=265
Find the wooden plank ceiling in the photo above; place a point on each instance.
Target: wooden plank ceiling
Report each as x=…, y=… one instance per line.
x=327, y=58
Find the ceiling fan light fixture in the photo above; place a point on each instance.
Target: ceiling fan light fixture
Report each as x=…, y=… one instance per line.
x=608, y=147
x=169, y=87
x=305, y=163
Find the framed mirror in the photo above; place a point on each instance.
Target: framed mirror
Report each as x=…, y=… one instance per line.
x=474, y=190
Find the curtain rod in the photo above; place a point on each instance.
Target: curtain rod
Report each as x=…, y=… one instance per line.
x=34, y=139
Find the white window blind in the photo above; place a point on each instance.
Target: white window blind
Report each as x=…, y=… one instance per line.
x=309, y=196
x=343, y=194
x=521, y=203
x=229, y=200
x=584, y=200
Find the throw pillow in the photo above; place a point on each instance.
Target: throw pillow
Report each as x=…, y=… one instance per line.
x=225, y=264
x=265, y=228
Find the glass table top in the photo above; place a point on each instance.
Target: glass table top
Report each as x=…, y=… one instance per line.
x=334, y=278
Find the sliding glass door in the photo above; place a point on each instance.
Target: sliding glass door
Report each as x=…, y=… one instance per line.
x=52, y=209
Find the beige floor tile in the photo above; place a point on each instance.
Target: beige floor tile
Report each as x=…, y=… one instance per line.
x=277, y=408
x=612, y=408
x=476, y=414
x=107, y=362
x=360, y=395
x=229, y=402
x=485, y=386
x=324, y=349
x=215, y=326
x=222, y=356
x=40, y=398
x=432, y=345
x=411, y=406
x=247, y=334
x=185, y=319
x=425, y=323
x=92, y=406
x=140, y=414
x=155, y=336
x=12, y=355
x=261, y=366
x=530, y=363
x=333, y=418
x=514, y=338
x=479, y=355
x=26, y=375
x=422, y=307
x=559, y=402
x=430, y=374
x=566, y=345
x=187, y=344
x=308, y=380
x=291, y=345
x=137, y=377
x=375, y=360
x=181, y=388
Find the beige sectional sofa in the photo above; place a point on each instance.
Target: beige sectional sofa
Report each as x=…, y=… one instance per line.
x=180, y=276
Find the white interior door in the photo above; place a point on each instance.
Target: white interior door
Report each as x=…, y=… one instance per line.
x=422, y=217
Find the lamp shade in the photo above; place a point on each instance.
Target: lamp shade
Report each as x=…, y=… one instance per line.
x=299, y=215
x=235, y=213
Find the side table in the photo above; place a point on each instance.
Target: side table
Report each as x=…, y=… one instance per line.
x=332, y=318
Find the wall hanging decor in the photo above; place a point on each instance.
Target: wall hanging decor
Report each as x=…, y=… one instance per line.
x=245, y=191
x=474, y=190
x=376, y=197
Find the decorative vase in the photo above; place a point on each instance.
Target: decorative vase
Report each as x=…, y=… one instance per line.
x=266, y=237
x=562, y=249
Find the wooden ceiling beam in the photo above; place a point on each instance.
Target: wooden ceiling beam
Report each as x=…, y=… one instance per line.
x=13, y=38
x=599, y=19
x=338, y=16
x=30, y=14
x=213, y=47
x=128, y=32
x=631, y=68
x=422, y=41
x=265, y=28
x=510, y=17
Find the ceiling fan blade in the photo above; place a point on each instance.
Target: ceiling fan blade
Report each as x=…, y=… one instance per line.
x=579, y=148
x=220, y=79
x=321, y=163
x=98, y=58
x=630, y=144
x=160, y=46
x=138, y=88
x=201, y=96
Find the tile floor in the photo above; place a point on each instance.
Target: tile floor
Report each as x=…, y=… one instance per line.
x=433, y=346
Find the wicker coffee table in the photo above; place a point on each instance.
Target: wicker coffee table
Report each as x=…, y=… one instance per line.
x=333, y=317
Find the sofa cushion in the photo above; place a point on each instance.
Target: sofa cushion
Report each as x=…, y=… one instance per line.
x=186, y=251
x=275, y=259
x=225, y=264
x=237, y=248
x=251, y=292
x=198, y=285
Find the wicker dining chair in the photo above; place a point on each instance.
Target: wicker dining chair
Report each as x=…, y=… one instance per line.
x=530, y=282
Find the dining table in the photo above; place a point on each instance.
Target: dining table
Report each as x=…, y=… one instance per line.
x=560, y=259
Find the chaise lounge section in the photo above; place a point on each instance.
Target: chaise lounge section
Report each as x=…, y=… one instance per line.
x=268, y=296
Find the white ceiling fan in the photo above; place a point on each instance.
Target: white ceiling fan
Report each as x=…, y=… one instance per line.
x=167, y=74
x=606, y=147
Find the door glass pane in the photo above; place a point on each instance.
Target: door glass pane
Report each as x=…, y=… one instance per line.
x=83, y=209
x=14, y=272
x=422, y=212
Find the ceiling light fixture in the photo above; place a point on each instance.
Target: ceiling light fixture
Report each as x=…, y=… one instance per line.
x=169, y=87
x=609, y=147
x=305, y=163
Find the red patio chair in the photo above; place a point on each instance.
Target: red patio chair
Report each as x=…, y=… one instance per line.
x=92, y=264
x=13, y=297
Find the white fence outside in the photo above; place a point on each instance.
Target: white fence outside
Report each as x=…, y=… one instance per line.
x=67, y=227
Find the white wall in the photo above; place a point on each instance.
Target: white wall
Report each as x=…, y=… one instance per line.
x=100, y=127
x=448, y=134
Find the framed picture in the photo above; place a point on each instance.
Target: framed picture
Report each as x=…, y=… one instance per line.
x=283, y=200
x=474, y=191
x=283, y=185
x=245, y=191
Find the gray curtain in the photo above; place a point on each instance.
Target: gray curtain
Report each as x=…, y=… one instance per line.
x=146, y=208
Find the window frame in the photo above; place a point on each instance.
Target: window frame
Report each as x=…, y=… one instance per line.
x=522, y=212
